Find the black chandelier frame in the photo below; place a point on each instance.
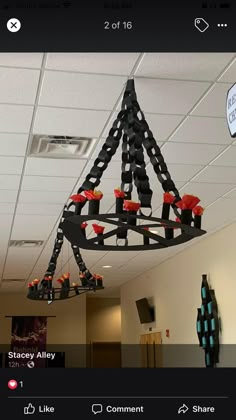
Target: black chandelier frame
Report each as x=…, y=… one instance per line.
x=130, y=128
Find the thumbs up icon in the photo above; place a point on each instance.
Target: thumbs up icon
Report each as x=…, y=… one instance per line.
x=30, y=409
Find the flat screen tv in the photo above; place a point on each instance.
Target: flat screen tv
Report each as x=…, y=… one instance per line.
x=145, y=311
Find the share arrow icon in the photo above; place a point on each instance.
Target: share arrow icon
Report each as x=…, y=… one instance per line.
x=183, y=409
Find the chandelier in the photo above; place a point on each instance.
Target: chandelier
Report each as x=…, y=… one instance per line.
x=44, y=290
x=131, y=130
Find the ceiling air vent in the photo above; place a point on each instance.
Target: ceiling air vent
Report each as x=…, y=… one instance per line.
x=61, y=147
x=26, y=243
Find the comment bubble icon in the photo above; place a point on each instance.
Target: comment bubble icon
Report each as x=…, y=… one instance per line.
x=97, y=408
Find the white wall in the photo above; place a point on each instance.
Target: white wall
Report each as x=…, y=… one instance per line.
x=175, y=287
x=103, y=319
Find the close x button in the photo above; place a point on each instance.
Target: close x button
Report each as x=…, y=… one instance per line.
x=13, y=25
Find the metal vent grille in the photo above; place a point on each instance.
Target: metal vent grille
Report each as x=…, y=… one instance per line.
x=61, y=147
x=26, y=243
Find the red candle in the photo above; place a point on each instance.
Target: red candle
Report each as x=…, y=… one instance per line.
x=99, y=280
x=98, y=229
x=94, y=198
x=198, y=212
x=66, y=278
x=131, y=207
x=79, y=201
x=30, y=287
x=76, y=288
x=168, y=199
x=120, y=195
x=186, y=205
x=35, y=283
x=49, y=281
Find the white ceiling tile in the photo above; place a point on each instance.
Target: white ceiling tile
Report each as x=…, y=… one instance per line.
x=183, y=173
x=190, y=153
x=35, y=208
x=38, y=227
x=126, y=271
x=74, y=90
x=13, y=144
x=168, y=96
x=228, y=158
x=17, y=271
x=203, y=130
x=38, y=271
x=45, y=256
x=9, y=182
x=162, y=125
x=217, y=174
x=15, y=118
x=11, y=165
x=143, y=262
x=183, y=66
x=30, y=60
x=229, y=74
x=18, y=256
x=6, y=221
x=104, y=63
x=43, y=197
x=115, y=259
x=231, y=194
x=8, y=196
x=213, y=104
x=69, y=122
x=18, y=86
x=7, y=208
x=206, y=192
x=219, y=213
x=47, y=183
x=13, y=287
x=54, y=167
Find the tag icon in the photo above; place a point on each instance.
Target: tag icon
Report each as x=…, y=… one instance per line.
x=201, y=24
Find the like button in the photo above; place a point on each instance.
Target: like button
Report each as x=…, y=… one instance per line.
x=30, y=409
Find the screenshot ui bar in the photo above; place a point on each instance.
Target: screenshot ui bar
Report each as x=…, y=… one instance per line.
x=118, y=25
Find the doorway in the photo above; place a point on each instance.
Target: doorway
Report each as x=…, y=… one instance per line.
x=105, y=354
x=151, y=350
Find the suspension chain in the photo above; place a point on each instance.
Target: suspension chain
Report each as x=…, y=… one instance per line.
x=56, y=252
x=109, y=148
x=133, y=128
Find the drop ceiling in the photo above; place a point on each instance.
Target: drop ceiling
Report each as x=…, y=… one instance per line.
x=183, y=97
